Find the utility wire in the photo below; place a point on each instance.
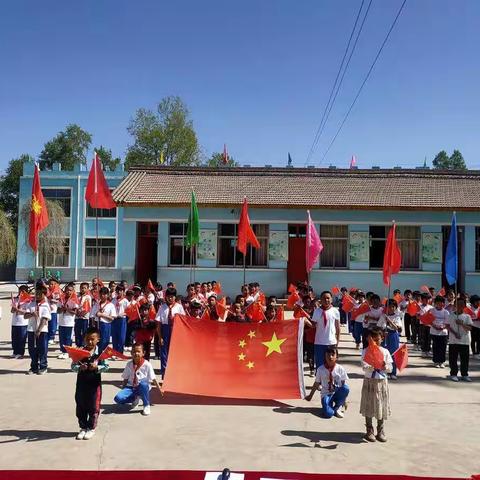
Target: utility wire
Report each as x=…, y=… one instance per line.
x=365, y=80
x=317, y=134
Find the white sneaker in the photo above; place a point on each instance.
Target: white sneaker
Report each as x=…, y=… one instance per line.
x=466, y=379
x=81, y=434
x=339, y=414
x=394, y=377
x=453, y=378
x=51, y=342
x=146, y=410
x=135, y=402
x=89, y=434
x=437, y=365
x=442, y=365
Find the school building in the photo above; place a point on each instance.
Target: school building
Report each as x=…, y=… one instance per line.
x=144, y=236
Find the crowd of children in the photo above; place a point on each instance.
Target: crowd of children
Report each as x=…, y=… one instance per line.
x=140, y=320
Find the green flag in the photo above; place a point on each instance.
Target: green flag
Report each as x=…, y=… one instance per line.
x=193, y=228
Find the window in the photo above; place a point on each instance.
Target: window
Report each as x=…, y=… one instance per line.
x=408, y=239
x=102, y=212
x=335, y=245
x=229, y=256
x=179, y=253
x=106, y=252
x=60, y=257
x=60, y=195
x=477, y=248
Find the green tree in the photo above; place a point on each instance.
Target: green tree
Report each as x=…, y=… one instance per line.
x=168, y=131
x=9, y=187
x=51, y=241
x=106, y=157
x=68, y=148
x=455, y=162
x=216, y=160
x=8, y=240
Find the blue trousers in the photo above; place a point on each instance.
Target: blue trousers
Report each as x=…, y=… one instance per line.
x=37, y=349
x=166, y=334
x=81, y=325
x=332, y=402
x=357, y=332
x=392, y=342
x=319, y=354
x=65, y=337
x=128, y=394
x=105, y=332
x=52, y=326
x=119, y=332
x=19, y=339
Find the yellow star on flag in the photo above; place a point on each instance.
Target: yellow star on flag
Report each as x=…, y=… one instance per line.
x=36, y=207
x=242, y=343
x=273, y=345
x=241, y=356
x=250, y=365
x=251, y=334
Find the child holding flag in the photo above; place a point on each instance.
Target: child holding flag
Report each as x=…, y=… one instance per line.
x=391, y=323
x=53, y=296
x=145, y=330
x=19, y=322
x=83, y=314
x=104, y=312
x=438, y=332
x=67, y=308
x=377, y=363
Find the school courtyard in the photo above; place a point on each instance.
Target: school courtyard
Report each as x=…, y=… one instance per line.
x=434, y=430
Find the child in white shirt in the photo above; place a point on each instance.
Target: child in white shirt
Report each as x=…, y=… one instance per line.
x=19, y=322
x=439, y=332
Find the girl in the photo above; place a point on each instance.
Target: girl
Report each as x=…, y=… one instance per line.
x=391, y=323
x=19, y=322
x=424, y=338
x=67, y=308
x=83, y=313
x=439, y=333
x=119, y=324
x=53, y=295
x=358, y=321
x=475, y=305
x=104, y=312
x=375, y=402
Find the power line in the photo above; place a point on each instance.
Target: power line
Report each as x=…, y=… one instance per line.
x=317, y=134
x=365, y=79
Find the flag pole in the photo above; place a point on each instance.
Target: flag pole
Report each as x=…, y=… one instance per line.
x=244, y=269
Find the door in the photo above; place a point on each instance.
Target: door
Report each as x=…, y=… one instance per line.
x=146, y=256
x=460, y=255
x=296, y=265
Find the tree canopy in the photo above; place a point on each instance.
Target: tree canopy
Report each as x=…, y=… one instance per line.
x=216, y=160
x=8, y=240
x=166, y=134
x=106, y=157
x=454, y=162
x=68, y=148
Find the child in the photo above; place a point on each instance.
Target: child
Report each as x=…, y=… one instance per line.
x=459, y=326
x=88, y=391
x=236, y=314
x=38, y=315
x=119, y=324
x=145, y=330
x=372, y=317
x=358, y=321
x=334, y=391
x=83, y=313
x=67, y=309
x=407, y=319
x=104, y=312
x=53, y=295
x=137, y=376
x=391, y=323
x=475, y=305
x=438, y=332
x=375, y=402
x=424, y=338
x=19, y=322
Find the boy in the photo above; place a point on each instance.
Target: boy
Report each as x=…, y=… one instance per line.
x=83, y=313
x=19, y=322
x=53, y=295
x=459, y=326
x=39, y=315
x=424, y=338
x=331, y=377
x=104, y=312
x=145, y=330
x=88, y=391
x=137, y=376
x=66, y=322
x=236, y=314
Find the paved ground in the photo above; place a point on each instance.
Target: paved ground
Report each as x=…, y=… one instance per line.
x=434, y=430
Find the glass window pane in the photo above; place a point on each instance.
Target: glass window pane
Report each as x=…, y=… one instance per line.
x=227, y=229
x=226, y=252
x=176, y=229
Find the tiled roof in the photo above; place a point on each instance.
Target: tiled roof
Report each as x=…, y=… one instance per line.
x=295, y=188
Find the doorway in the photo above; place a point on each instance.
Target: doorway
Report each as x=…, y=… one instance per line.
x=296, y=265
x=146, y=256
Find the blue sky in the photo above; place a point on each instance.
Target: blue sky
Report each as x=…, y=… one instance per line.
x=255, y=75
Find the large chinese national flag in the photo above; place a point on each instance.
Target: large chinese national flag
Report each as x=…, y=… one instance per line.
x=38, y=213
x=236, y=360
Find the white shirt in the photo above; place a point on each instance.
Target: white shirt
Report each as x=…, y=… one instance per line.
x=43, y=312
x=326, y=335
x=144, y=373
x=107, y=308
x=375, y=315
x=18, y=320
x=85, y=304
x=396, y=319
x=464, y=334
x=120, y=306
x=67, y=319
x=162, y=314
x=370, y=372
x=53, y=301
x=339, y=376
x=441, y=320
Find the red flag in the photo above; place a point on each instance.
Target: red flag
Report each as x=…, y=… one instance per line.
x=348, y=303
x=132, y=312
x=335, y=290
x=401, y=357
x=392, y=258
x=38, y=211
x=150, y=286
x=427, y=318
x=76, y=354
x=374, y=356
x=470, y=312
x=280, y=314
x=245, y=231
x=255, y=312
x=292, y=299
x=152, y=313
x=413, y=308
x=110, y=352
x=24, y=297
x=221, y=308
x=398, y=298
x=218, y=288
x=363, y=308
x=424, y=288
x=299, y=312
x=262, y=299
x=97, y=193
x=205, y=315
x=442, y=292
x=225, y=154
x=261, y=361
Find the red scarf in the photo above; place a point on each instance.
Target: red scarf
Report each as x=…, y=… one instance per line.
x=324, y=312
